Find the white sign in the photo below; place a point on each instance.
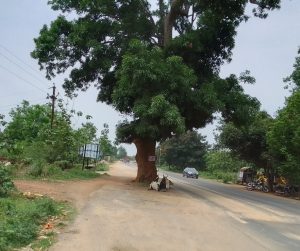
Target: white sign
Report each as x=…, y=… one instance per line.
x=151, y=158
x=90, y=151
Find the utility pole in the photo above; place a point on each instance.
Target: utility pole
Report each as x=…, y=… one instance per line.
x=53, y=97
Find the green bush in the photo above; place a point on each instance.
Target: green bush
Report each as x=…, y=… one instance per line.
x=6, y=184
x=225, y=177
x=37, y=169
x=64, y=164
x=20, y=219
x=102, y=167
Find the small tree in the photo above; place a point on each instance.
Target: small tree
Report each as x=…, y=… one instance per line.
x=106, y=146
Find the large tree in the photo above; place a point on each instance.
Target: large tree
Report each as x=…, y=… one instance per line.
x=159, y=64
x=284, y=136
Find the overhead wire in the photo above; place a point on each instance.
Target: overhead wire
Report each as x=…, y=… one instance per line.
x=8, y=107
x=11, y=61
x=11, y=94
x=22, y=61
x=23, y=79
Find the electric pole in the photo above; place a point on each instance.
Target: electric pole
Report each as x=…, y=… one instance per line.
x=53, y=97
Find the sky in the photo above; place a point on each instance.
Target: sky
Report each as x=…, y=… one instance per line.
x=266, y=47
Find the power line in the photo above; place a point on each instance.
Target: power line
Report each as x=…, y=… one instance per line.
x=8, y=107
x=12, y=94
x=33, y=85
x=8, y=59
x=22, y=61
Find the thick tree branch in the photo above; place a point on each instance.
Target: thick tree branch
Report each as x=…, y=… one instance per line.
x=178, y=8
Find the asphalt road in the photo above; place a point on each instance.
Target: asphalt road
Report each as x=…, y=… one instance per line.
x=270, y=220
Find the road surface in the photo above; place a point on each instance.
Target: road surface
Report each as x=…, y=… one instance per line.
x=281, y=229
x=115, y=214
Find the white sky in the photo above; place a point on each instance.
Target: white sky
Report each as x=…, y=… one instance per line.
x=265, y=47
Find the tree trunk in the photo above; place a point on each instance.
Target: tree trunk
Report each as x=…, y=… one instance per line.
x=146, y=165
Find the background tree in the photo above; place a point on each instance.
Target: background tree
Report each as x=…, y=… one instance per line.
x=86, y=133
x=29, y=136
x=166, y=84
x=106, y=146
x=222, y=164
x=249, y=141
x=2, y=121
x=121, y=154
x=284, y=136
x=185, y=150
x=26, y=125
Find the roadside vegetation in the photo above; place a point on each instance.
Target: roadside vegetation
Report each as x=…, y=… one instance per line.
x=34, y=149
x=269, y=145
x=31, y=149
x=23, y=216
x=192, y=150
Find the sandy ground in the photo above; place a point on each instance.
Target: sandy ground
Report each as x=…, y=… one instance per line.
x=119, y=215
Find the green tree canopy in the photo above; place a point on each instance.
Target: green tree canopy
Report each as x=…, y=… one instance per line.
x=223, y=161
x=249, y=141
x=168, y=84
x=28, y=134
x=294, y=79
x=284, y=138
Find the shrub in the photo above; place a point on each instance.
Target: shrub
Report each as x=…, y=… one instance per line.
x=5, y=182
x=63, y=164
x=102, y=167
x=37, y=169
x=21, y=218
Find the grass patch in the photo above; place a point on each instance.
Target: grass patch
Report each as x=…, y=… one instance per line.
x=225, y=177
x=74, y=173
x=21, y=220
x=102, y=167
x=169, y=168
x=52, y=172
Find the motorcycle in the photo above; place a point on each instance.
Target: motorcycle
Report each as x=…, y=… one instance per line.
x=291, y=191
x=257, y=185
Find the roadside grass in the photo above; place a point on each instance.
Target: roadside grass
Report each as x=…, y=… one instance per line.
x=225, y=177
x=102, y=167
x=40, y=170
x=169, y=169
x=218, y=175
x=21, y=221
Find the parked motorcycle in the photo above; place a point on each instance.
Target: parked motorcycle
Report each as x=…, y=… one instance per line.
x=291, y=191
x=258, y=185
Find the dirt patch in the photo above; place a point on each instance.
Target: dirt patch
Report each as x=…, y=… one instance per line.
x=76, y=192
